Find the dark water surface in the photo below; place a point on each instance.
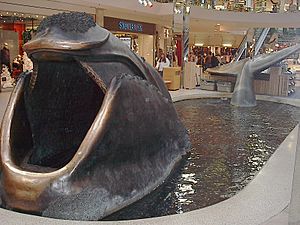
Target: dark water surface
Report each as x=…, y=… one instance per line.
x=229, y=146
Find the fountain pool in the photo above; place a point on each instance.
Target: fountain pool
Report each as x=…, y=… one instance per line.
x=229, y=146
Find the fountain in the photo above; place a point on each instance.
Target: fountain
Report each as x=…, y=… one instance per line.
x=83, y=140
x=230, y=145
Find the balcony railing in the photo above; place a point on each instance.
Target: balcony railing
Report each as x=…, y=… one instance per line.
x=241, y=5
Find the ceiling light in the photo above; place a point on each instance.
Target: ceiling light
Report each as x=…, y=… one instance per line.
x=146, y=3
x=227, y=45
x=188, y=9
x=199, y=44
x=218, y=24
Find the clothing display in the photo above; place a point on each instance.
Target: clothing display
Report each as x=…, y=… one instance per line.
x=5, y=56
x=6, y=80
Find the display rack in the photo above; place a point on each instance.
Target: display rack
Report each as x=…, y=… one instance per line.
x=171, y=76
x=189, y=81
x=278, y=82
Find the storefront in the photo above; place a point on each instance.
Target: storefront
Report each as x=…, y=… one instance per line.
x=16, y=29
x=138, y=36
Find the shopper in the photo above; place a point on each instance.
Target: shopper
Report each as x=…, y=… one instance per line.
x=162, y=62
x=5, y=56
x=207, y=61
x=214, y=60
x=192, y=57
x=200, y=60
x=175, y=59
x=17, y=67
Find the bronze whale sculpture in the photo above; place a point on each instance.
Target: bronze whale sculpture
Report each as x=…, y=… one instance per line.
x=243, y=94
x=91, y=130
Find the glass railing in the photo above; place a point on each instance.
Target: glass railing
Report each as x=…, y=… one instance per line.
x=265, y=40
x=242, y=6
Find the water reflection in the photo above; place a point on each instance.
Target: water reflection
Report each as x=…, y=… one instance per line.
x=229, y=146
x=184, y=191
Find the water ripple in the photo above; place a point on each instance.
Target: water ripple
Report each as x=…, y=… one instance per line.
x=229, y=146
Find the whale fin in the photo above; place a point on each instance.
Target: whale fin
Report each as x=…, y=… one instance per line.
x=264, y=61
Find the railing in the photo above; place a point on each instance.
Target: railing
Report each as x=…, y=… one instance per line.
x=242, y=48
x=259, y=43
x=260, y=36
x=247, y=6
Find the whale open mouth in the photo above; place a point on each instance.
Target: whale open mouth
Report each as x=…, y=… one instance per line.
x=58, y=104
x=55, y=117
x=91, y=130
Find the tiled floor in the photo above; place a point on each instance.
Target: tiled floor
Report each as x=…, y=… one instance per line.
x=4, y=97
x=297, y=92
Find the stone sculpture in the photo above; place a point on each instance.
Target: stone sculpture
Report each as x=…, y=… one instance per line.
x=91, y=130
x=243, y=94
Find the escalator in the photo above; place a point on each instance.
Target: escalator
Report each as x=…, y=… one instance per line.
x=255, y=39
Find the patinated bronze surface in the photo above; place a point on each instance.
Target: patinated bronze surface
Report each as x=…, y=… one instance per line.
x=91, y=130
x=243, y=94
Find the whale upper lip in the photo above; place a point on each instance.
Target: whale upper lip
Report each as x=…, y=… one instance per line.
x=56, y=39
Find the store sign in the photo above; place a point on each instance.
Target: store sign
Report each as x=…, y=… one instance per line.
x=128, y=26
x=133, y=27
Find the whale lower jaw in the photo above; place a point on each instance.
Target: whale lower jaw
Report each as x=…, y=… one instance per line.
x=27, y=182
x=118, y=161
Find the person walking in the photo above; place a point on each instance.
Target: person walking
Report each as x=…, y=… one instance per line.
x=162, y=62
x=207, y=61
x=214, y=61
x=5, y=56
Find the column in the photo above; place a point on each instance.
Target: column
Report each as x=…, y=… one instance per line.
x=281, y=6
x=100, y=17
x=185, y=37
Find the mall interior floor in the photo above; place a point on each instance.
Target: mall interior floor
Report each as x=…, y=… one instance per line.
x=4, y=97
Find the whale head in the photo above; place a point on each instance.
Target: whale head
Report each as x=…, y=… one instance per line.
x=90, y=130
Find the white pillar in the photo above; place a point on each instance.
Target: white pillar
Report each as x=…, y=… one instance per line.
x=249, y=4
x=185, y=37
x=100, y=17
x=281, y=8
